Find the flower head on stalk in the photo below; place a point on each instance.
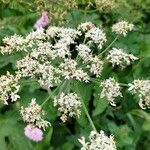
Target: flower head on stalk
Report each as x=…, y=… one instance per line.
x=9, y=88
x=69, y=105
x=110, y=90
x=96, y=36
x=33, y=114
x=98, y=141
x=122, y=28
x=120, y=58
x=142, y=88
x=84, y=27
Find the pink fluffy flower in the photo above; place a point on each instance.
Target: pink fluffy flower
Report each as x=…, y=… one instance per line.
x=33, y=133
x=43, y=21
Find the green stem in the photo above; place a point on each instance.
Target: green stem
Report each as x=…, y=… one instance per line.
x=88, y=116
x=123, y=84
x=95, y=80
x=64, y=86
x=89, y=11
x=109, y=46
x=25, y=82
x=61, y=88
x=52, y=93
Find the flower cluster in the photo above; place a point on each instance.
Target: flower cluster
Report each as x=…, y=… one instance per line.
x=69, y=105
x=50, y=54
x=105, y=5
x=69, y=70
x=9, y=88
x=119, y=57
x=14, y=42
x=122, y=28
x=96, y=65
x=111, y=90
x=93, y=62
x=27, y=67
x=96, y=36
x=84, y=27
x=33, y=114
x=33, y=133
x=48, y=75
x=83, y=51
x=142, y=88
x=98, y=141
x=59, y=54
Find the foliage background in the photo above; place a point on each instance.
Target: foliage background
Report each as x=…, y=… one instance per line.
x=129, y=123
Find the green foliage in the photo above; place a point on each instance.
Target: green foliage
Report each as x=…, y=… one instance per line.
x=129, y=124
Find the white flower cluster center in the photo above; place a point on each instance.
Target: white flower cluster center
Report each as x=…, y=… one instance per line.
x=98, y=141
x=69, y=105
x=110, y=90
x=33, y=114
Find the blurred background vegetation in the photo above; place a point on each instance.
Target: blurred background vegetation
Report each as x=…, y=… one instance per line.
x=129, y=123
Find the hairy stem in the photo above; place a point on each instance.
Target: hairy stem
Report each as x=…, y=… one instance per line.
x=109, y=46
x=123, y=84
x=88, y=116
x=60, y=88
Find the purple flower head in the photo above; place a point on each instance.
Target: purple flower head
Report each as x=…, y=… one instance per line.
x=33, y=133
x=43, y=21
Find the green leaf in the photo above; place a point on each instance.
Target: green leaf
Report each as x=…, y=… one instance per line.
x=100, y=106
x=146, y=125
x=48, y=136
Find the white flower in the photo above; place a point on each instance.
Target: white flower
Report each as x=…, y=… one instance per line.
x=69, y=70
x=68, y=32
x=53, y=31
x=86, y=26
x=80, y=75
x=97, y=36
x=119, y=57
x=36, y=35
x=48, y=75
x=13, y=43
x=142, y=89
x=27, y=67
x=34, y=114
x=96, y=65
x=69, y=105
x=9, y=88
x=68, y=67
x=111, y=90
x=14, y=40
x=61, y=48
x=98, y=141
x=44, y=50
x=122, y=28
x=83, y=51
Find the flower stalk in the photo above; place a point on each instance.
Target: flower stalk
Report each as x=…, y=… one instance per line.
x=109, y=46
x=88, y=116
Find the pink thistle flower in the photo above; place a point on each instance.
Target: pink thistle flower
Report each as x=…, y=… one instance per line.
x=33, y=133
x=43, y=21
